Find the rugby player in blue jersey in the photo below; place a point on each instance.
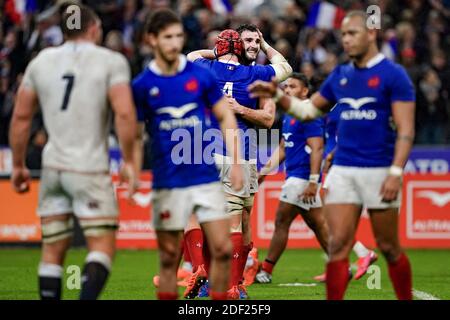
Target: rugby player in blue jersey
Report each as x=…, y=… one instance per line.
x=375, y=136
x=301, y=148
x=172, y=96
x=234, y=79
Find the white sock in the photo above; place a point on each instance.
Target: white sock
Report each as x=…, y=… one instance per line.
x=360, y=250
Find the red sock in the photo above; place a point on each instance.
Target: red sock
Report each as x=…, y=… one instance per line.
x=401, y=277
x=167, y=296
x=245, y=251
x=206, y=255
x=194, y=242
x=337, y=279
x=218, y=295
x=267, y=266
x=186, y=255
x=236, y=255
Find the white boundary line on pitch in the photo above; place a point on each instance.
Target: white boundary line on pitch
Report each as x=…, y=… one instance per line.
x=424, y=295
x=297, y=284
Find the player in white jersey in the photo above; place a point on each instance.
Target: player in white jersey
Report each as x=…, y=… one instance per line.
x=73, y=84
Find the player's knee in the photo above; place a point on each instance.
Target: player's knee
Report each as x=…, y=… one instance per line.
x=222, y=252
x=390, y=250
x=168, y=258
x=98, y=227
x=55, y=231
x=339, y=245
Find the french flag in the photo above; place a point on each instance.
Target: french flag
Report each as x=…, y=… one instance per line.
x=222, y=7
x=17, y=9
x=325, y=15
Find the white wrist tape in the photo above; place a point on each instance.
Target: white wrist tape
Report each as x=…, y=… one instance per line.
x=314, y=178
x=395, y=171
x=282, y=68
x=303, y=109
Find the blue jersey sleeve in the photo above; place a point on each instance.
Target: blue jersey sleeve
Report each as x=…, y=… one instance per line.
x=139, y=98
x=264, y=73
x=314, y=128
x=213, y=93
x=327, y=88
x=401, y=86
x=205, y=63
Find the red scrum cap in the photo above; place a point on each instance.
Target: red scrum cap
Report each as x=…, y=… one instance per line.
x=228, y=41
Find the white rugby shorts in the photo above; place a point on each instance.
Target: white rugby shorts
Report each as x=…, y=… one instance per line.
x=291, y=192
x=171, y=208
x=360, y=186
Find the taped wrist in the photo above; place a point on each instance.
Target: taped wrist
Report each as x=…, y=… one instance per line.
x=303, y=110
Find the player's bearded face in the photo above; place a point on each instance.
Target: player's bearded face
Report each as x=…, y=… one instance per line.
x=354, y=37
x=252, y=45
x=168, y=44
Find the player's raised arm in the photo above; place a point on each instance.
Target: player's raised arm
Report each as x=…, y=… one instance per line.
x=279, y=63
x=300, y=109
x=278, y=156
x=205, y=54
x=228, y=125
x=19, y=134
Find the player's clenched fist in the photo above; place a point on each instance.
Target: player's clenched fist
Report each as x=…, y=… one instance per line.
x=128, y=174
x=20, y=179
x=263, y=89
x=390, y=188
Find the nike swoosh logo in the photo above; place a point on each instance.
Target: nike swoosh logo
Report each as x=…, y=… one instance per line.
x=438, y=199
x=177, y=112
x=357, y=103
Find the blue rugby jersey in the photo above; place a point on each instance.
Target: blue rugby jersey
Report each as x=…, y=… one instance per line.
x=174, y=110
x=366, y=131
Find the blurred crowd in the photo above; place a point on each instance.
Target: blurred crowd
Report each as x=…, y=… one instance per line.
x=414, y=33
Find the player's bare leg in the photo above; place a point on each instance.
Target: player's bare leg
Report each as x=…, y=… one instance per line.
x=315, y=220
x=218, y=238
x=52, y=258
x=342, y=220
x=385, y=229
x=169, y=251
x=101, y=243
x=286, y=213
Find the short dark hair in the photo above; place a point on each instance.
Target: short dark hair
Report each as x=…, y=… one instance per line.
x=87, y=18
x=247, y=27
x=302, y=78
x=161, y=19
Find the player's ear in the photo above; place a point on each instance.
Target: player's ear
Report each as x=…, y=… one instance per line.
x=305, y=91
x=150, y=39
x=372, y=34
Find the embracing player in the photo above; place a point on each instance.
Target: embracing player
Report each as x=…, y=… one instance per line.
x=73, y=84
x=234, y=79
x=375, y=135
x=172, y=96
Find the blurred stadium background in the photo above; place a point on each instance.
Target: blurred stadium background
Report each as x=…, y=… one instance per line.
x=416, y=33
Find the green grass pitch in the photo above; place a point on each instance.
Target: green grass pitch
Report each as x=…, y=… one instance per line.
x=131, y=278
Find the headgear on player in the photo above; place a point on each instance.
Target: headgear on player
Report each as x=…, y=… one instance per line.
x=228, y=41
